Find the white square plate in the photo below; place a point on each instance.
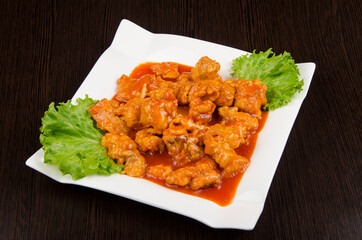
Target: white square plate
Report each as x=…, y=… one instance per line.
x=133, y=45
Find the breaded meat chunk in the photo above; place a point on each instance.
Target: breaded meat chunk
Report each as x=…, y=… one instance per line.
x=232, y=117
x=226, y=94
x=250, y=96
x=123, y=149
x=159, y=171
x=205, y=69
x=175, y=139
x=184, y=140
x=158, y=111
x=206, y=90
x=201, y=111
x=220, y=142
x=183, y=87
x=106, y=114
x=166, y=94
x=160, y=83
x=129, y=88
x=131, y=112
x=203, y=174
x=167, y=70
x=147, y=140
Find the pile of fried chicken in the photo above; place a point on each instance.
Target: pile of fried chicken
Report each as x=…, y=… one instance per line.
x=202, y=153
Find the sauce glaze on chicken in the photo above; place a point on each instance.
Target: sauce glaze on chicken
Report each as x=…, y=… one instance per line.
x=195, y=117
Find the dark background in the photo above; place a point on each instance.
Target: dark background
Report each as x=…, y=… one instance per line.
x=47, y=49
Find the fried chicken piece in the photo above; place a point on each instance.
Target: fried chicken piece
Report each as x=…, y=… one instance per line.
x=226, y=157
x=129, y=88
x=117, y=145
x=135, y=164
x=202, y=94
x=163, y=94
x=105, y=113
x=175, y=139
x=205, y=69
x=196, y=133
x=220, y=142
x=160, y=83
x=184, y=140
x=250, y=96
x=167, y=70
x=232, y=117
x=186, y=89
x=195, y=146
x=226, y=94
x=158, y=110
x=201, y=111
x=186, y=122
x=159, y=171
x=224, y=134
x=147, y=140
x=123, y=149
x=183, y=87
x=157, y=113
x=131, y=112
x=206, y=90
x=202, y=174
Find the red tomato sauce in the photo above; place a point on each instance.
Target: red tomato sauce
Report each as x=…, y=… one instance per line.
x=225, y=192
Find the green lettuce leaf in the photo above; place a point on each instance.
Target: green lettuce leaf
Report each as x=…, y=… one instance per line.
x=279, y=73
x=71, y=140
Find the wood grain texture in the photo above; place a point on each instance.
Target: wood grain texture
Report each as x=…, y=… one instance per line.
x=48, y=47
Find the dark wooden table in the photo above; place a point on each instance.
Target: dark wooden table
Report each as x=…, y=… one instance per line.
x=48, y=47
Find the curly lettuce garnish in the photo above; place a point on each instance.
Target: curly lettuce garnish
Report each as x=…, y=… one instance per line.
x=279, y=73
x=71, y=140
